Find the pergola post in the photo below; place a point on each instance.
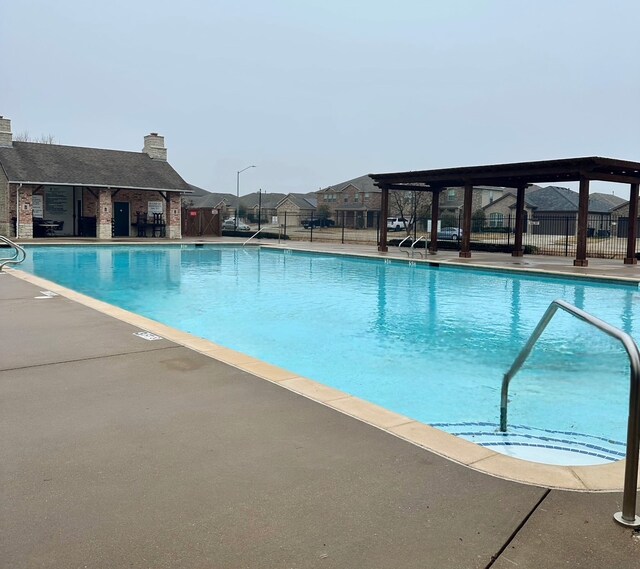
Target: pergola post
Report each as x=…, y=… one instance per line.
x=384, y=213
x=583, y=211
x=435, y=215
x=465, y=250
x=632, y=234
x=518, y=250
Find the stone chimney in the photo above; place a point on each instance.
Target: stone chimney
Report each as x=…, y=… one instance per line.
x=154, y=146
x=6, y=137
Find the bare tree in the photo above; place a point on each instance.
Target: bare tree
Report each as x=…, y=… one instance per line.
x=24, y=136
x=410, y=205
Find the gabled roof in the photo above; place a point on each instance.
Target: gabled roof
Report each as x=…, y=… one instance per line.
x=197, y=191
x=558, y=199
x=553, y=198
x=363, y=183
x=510, y=194
x=211, y=200
x=269, y=200
x=303, y=201
x=54, y=164
x=611, y=200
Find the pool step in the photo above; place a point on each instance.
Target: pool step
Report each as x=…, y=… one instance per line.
x=539, y=445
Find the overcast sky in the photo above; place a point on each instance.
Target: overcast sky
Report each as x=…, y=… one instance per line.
x=315, y=92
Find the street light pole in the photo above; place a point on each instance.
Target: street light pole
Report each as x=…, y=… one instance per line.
x=238, y=193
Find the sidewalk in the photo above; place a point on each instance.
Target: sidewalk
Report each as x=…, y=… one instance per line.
x=123, y=452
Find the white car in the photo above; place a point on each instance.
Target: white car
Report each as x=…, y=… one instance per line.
x=397, y=223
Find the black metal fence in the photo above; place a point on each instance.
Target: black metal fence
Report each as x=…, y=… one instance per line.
x=543, y=234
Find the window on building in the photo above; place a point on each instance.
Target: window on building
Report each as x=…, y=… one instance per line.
x=356, y=198
x=496, y=220
x=451, y=195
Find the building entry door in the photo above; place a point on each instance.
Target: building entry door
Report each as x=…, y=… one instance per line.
x=121, y=220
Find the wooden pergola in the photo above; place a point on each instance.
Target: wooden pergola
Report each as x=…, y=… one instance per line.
x=519, y=176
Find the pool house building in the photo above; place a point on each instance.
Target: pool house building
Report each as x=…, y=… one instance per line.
x=51, y=190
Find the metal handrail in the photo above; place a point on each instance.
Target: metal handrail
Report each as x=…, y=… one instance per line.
x=401, y=242
x=19, y=254
x=414, y=244
x=627, y=517
x=250, y=238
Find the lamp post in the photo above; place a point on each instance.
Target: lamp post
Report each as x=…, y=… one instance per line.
x=238, y=193
x=259, y=208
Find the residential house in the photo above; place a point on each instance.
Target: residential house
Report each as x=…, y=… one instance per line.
x=553, y=210
x=452, y=199
x=263, y=205
x=293, y=208
x=56, y=190
x=354, y=203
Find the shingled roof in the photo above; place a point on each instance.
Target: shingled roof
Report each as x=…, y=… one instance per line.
x=555, y=198
x=53, y=164
x=363, y=183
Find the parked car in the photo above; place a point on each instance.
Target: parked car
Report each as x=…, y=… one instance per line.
x=452, y=233
x=324, y=222
x=397, y=223
x=231, y=224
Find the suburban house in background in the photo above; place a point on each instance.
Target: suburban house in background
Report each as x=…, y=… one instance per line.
x=54, y=190
x=357, y=202
x=354, y=203
x=297, y=206
x=553, y=210
x=261, y=205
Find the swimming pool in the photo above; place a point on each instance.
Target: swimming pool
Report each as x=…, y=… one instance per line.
x=428, y=342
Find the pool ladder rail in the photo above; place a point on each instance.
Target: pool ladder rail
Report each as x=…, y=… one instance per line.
x=412, y=251
x=19, y=254
x=627, y=517
x=250, y=238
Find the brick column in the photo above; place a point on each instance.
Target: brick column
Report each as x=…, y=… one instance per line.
x=104, y=214
x=25, y=213
x=175, y=216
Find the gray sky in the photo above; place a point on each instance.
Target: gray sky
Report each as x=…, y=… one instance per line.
x=315, y=92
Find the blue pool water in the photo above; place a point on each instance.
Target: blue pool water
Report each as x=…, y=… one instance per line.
x=431, y=343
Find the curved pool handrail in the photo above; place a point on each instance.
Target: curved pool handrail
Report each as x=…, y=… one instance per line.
x=627, y=516
x=19, y=254
x=250, y=238
x=415, y=243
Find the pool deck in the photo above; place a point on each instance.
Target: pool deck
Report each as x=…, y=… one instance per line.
x=120, y=451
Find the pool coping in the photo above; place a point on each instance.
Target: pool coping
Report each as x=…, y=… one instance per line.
x=596, y=478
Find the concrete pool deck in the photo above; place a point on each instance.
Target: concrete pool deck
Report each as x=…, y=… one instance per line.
x=124, y=452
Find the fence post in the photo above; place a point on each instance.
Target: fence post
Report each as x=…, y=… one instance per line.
x=566, y=237
x=311, y=227
x=343, y=212
x=285, y=223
